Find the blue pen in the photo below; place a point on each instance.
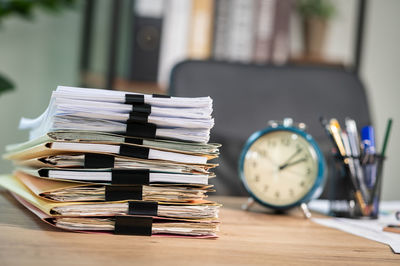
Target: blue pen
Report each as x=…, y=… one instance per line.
x=368, y=143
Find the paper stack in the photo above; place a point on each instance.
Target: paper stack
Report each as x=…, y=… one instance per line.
x=113, y=161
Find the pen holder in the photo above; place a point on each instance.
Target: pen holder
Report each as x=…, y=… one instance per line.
x=355, y=187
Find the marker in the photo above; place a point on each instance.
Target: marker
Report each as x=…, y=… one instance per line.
x=368, y=142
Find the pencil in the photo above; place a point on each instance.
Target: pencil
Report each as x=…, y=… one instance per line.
x=386, y=139
x=373, y=205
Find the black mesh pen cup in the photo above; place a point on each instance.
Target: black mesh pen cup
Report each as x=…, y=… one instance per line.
x=355, y=186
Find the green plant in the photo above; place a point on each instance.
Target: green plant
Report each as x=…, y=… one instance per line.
x=5, y=84
x=24, y=8
x=323, y=9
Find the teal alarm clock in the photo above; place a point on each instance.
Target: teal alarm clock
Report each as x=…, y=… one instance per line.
x=282, y=166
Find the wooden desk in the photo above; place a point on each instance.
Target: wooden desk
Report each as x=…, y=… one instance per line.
x=245, y=238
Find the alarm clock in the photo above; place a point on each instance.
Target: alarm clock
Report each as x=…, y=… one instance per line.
x=282, y=166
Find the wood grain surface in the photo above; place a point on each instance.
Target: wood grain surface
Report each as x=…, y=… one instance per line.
x=246, y=238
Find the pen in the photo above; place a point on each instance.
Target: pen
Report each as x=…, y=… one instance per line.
x=336, y=133
x=351, y=128
x=352, y=167
x=352, y=132
x=392, y=228
x=325, y=125
x=334, y=128
x=347, y=149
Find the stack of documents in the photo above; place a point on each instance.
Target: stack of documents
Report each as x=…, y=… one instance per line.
x=137, y=115
x=113, y=161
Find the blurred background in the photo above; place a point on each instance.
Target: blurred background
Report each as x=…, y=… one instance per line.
x=134, y=44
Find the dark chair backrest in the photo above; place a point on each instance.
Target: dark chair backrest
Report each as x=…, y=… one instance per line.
x=246, y=97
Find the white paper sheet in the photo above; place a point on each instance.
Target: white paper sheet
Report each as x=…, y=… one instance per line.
x=119, y=97
x=370, y=229
x=186, y=119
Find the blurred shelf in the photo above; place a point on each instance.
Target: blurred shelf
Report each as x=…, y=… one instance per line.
x=96, y=80
x=313, y=60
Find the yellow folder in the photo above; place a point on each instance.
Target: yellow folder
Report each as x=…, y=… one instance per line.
x=200, y=210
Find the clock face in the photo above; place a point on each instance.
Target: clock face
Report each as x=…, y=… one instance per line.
x=280, y=168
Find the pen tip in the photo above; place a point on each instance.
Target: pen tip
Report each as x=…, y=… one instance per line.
x=334, y=123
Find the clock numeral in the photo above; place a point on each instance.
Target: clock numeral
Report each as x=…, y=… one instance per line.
x=262, y=153
x=271, y=143
x=277, y=194
x=302, y=183
x=257, y=178
x=285, y=141
x=291, y=192
x=266, y=187
x=308, y=171
x=254, y=164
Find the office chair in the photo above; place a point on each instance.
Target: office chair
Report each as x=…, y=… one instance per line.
x=246, y=97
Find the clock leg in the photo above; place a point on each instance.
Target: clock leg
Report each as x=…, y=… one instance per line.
x=250, y=202
x=306, y=211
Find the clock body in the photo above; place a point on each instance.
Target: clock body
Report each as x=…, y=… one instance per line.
x=282, y=167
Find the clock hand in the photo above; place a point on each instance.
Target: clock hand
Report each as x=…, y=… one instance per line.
x=291, y=157
x=293, y=172
x=292, y=163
